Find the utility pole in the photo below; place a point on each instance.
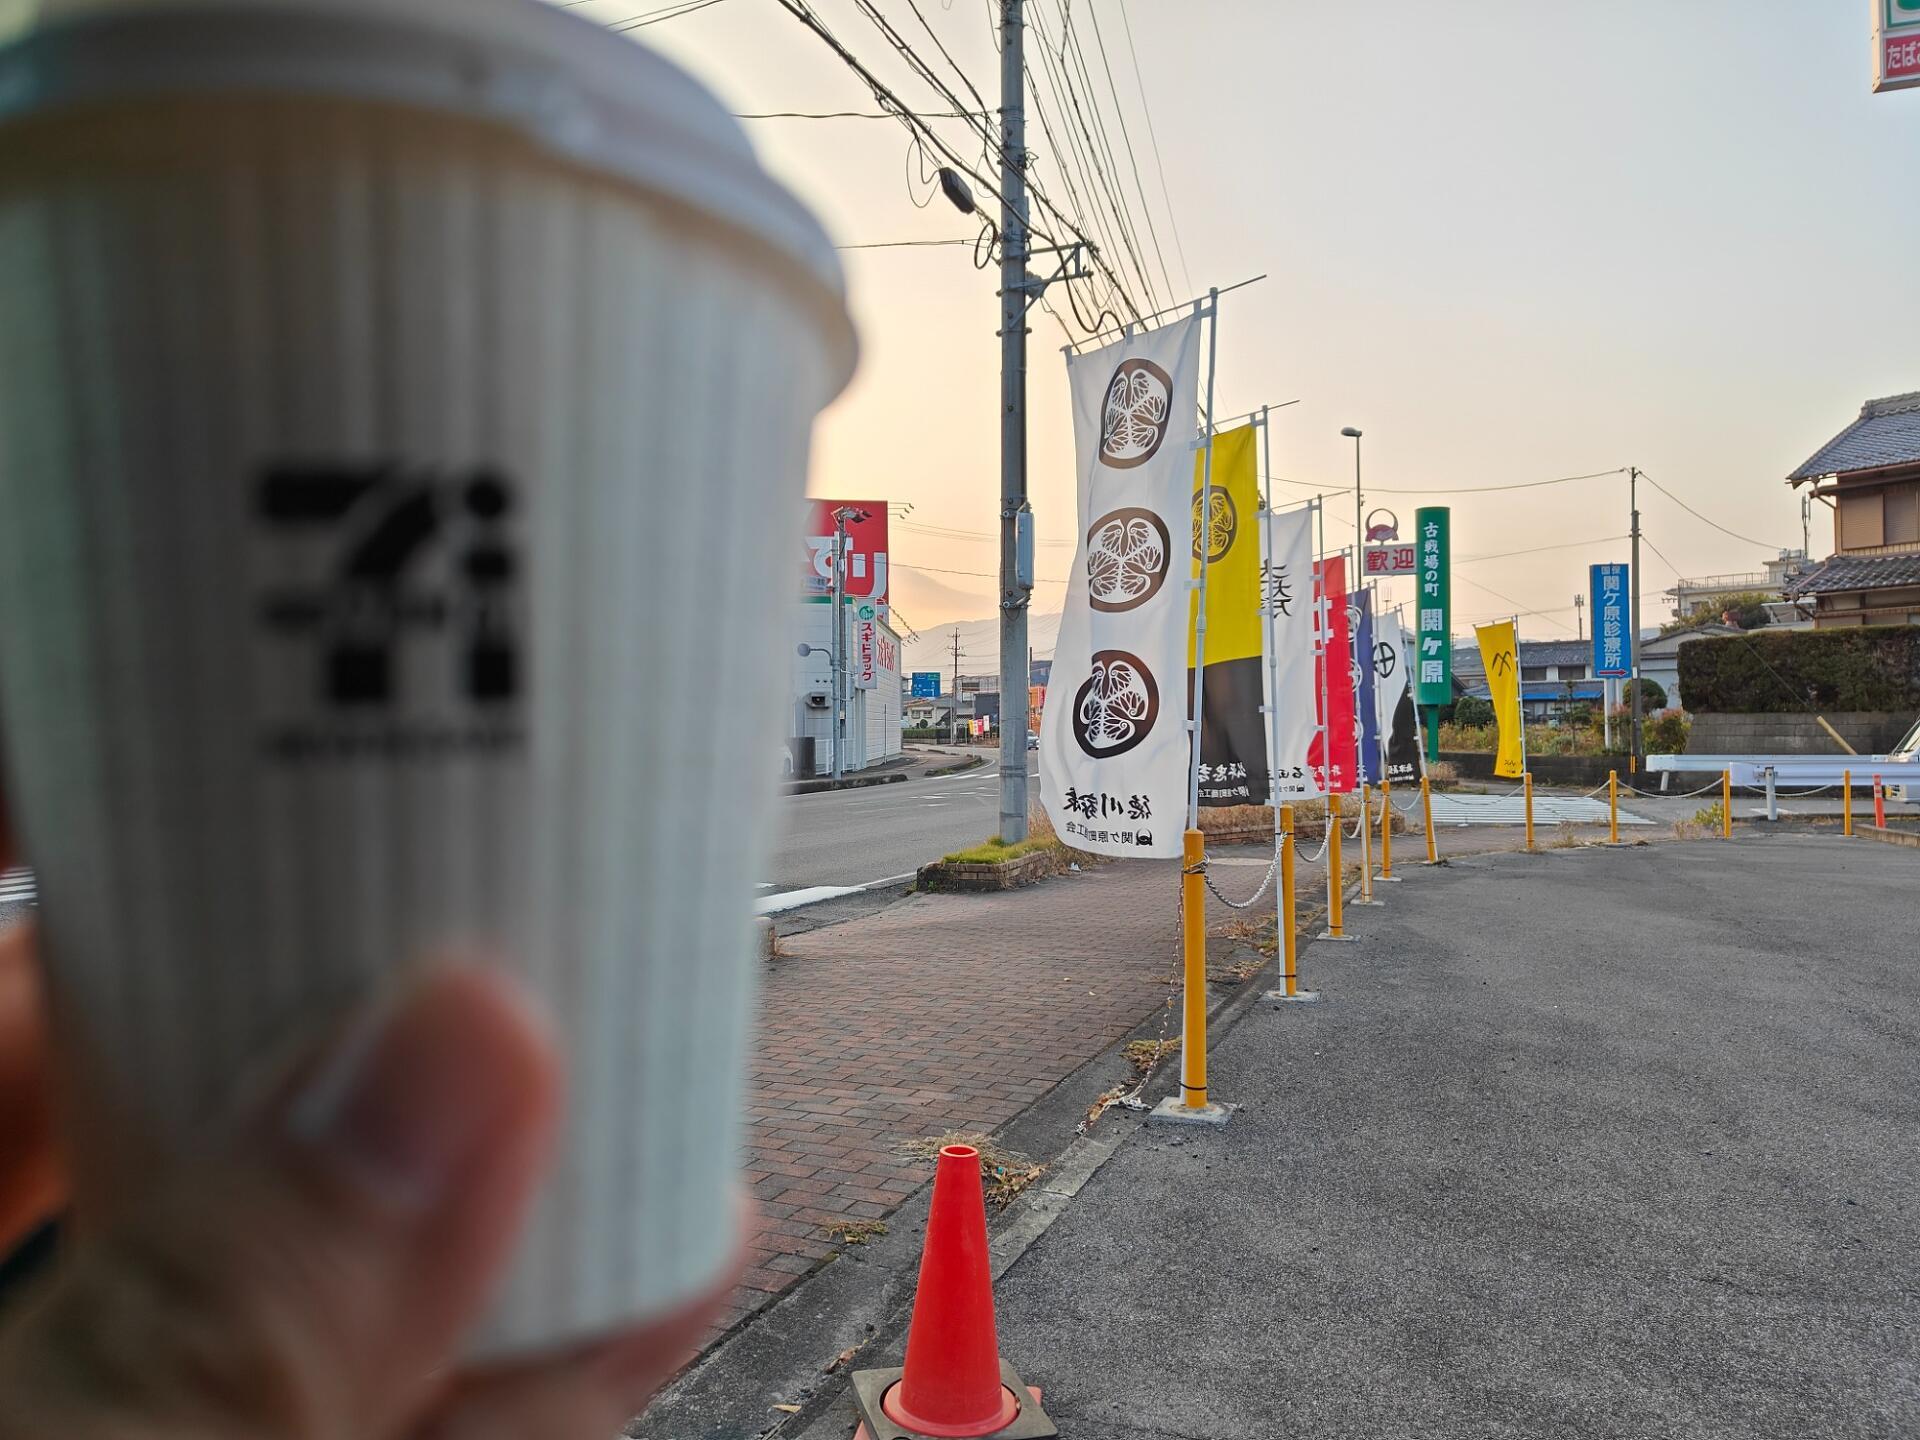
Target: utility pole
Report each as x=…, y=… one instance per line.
x=1634, y=747
x=1580, y=617
x=1016, y=519
x=836, y=593
x=953, y=714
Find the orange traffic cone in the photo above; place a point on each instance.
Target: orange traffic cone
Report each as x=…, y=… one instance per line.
x=954, y=1382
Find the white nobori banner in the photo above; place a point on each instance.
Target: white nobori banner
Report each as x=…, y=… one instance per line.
x=1287, y=600
x=1113, y=741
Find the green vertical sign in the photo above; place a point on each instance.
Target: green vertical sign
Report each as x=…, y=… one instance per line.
x=1433, y=664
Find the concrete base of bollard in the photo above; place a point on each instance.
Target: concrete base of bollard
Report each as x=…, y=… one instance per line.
x=1175, y=1111
x=1333, y=939
x=1386, y=880
x=1299, y=997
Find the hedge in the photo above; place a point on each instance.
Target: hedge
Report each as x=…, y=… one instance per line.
x=1786, y=672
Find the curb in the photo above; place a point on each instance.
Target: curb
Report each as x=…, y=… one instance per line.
x=1908, y=838
x=972, y=762
x=850, y=782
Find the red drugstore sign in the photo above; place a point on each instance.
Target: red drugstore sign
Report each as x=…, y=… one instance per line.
x=866, y=576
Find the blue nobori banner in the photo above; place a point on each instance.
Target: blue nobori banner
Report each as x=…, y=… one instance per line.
x=1612, y=621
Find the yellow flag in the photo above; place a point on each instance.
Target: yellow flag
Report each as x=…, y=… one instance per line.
x=1232, y=534
x=1500, y=654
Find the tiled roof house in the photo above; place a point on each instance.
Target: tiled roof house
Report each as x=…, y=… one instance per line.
x=1870, y=474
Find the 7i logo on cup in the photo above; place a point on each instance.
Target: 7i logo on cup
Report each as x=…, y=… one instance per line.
x=395, y=553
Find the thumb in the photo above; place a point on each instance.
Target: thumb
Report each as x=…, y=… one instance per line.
x=306, y=1282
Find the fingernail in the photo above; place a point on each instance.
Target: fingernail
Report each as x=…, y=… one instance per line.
x=404, y=1104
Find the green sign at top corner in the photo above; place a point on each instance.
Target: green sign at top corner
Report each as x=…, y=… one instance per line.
x=1433, y=551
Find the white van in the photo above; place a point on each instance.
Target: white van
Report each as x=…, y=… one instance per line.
x=1907, y=750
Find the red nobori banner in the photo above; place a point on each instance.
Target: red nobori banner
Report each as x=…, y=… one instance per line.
x=1333, y=677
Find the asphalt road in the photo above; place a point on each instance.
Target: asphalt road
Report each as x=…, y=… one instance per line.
x=1591, y=1143
x=844, y=838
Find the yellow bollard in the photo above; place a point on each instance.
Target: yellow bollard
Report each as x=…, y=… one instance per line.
x=1426, y=810
x=1613, y=807
x=1386, y=829
x=1288, y=941
x=1527, y=781
x=1366, y=844
x=1333, y=869
x=1846, y=802
x=1193, y=916
x=1287, y=917
x=1726, y=804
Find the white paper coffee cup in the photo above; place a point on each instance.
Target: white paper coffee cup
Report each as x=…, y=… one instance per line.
x=404, y=409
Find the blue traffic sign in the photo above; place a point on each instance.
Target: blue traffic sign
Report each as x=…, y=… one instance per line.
x=926, y=684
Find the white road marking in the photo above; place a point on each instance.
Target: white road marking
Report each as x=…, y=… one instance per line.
x=1512, y=810
x=814, y=894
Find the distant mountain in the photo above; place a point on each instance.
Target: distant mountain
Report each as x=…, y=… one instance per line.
x=979, y=645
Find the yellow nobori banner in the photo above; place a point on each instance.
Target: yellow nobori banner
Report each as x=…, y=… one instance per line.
x=1231, y=533
x=1500, y=654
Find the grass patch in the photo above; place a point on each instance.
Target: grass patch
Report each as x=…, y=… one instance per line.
x=996, y=851
x=1143, y=1055
x=857, y=1232
x=1005, y=1172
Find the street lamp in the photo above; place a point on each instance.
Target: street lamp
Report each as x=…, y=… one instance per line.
x=1359, y=521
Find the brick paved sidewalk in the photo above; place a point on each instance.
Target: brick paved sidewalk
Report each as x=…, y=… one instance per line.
x=940, y=1013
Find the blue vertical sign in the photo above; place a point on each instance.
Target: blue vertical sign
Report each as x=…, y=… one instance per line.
x=1612, y=608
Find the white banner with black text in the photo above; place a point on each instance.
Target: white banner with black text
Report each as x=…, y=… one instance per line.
x=1113, y=738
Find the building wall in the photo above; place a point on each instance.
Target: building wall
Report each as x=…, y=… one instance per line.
x=873, y=716
x=1868, y=607
x=1869, y=732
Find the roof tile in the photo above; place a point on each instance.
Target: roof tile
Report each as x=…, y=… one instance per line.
x=1887, y=433
x=1858, y=572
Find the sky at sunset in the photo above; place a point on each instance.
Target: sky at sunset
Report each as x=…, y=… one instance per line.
x=1511, y=241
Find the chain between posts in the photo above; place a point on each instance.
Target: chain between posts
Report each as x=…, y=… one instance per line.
x=1265, y=881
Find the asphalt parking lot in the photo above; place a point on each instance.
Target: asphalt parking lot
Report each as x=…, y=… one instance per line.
x=1585, y=1143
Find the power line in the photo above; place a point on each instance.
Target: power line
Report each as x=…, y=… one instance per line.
x=802, y=11
x=1663, y=559
x=1490, y=489
x=1540, y=549
x=979, y=99
x=1762, y=544
x=945, y=532
x=1067, y=158
x=1173, y=218
x=1086, y=152
x=656, y=17
x=901, y=244
x=843, y=115
x=977, y=574
x=1546, y=615
x=1098, y=143
x=1146, y=206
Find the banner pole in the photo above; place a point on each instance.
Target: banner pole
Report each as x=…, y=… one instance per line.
x=1199, y=707
x=1323, y=613
x=1193, y=1047
x=1280, y=917
x=1520, y=691
x=1360, y=745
